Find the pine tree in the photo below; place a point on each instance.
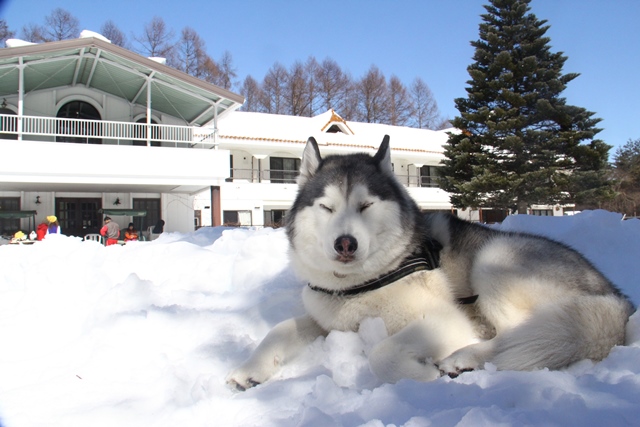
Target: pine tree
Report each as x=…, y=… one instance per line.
x=520, y=144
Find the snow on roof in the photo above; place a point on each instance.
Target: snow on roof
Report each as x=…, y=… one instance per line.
x=17, y=43
x=84, y=34
x=271, y=130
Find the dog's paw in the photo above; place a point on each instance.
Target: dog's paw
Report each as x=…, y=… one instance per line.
x=453, y=373
x=248, y=376
x=458, y=363
x=238, y=384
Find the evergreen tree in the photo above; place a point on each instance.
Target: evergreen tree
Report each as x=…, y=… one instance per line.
x=520, y=144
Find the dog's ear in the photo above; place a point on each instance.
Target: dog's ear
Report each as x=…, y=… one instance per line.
x=383, y=156
x=310, y=161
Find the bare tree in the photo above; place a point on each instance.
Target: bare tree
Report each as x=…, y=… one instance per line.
x=297, y=90
x=227, y=71
x=252, y=94
x=310, y=67
x=425, y=114
x=34, y=33
x=444, y=123
x=111, y=31
x=61, y=25
x=332, y=86
x=350, y=109
x=210, y=71
x=625, y=175
x=400, y=106
x=5, y=32
x=189, y=54
x=274, y=90
x=156, y=39
x=373, y=97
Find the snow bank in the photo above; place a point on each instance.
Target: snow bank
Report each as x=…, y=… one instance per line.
x=144, y=334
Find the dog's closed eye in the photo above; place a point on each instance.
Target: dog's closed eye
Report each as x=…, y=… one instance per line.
x=365, y=205
x=327, y=208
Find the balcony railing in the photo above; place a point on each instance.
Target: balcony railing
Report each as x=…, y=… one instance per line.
x=289, y=177
x=420, y=181
x=266, y=175
x=103, y=132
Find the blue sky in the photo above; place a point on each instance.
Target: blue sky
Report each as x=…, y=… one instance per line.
x=409, y=38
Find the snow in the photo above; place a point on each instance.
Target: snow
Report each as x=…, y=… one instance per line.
x=266, y=128
x=144, y=335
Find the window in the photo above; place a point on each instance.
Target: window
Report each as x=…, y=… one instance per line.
x=8, y=226
x=274, y=218
x=334, y=129
x=78, y=110
x=542, y=212
x=152, y=206
x=230, y=179
x=428, y=176
x=284, y=170
x=492, y=216
x=236, y=218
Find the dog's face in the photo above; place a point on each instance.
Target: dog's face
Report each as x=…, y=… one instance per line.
x=349, y=215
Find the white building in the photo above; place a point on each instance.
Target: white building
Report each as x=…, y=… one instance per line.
x=87, y=126
x=265, y=157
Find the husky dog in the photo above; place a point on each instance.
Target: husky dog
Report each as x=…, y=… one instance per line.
x=452, y=294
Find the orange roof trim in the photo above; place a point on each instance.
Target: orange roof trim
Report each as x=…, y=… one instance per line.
x=336, y=118
x=334, y=144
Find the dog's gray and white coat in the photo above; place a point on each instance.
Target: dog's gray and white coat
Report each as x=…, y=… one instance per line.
x=540, y=304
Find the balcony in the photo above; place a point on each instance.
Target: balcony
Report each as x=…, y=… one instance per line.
x=103, y=132
x=97, y=155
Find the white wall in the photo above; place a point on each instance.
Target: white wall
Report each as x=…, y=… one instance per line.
x=177, y=212
x=103, y=164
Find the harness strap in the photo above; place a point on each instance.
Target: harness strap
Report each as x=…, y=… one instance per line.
x=427, y=259
x=408, y=266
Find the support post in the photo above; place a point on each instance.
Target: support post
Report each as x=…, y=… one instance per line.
x=20, y=98
x=149, y=111
x=216, y=211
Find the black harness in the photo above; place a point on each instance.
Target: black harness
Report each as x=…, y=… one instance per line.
x=426, y=259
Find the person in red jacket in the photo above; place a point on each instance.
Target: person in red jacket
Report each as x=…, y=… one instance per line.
x=110, y=231
x=41, y=230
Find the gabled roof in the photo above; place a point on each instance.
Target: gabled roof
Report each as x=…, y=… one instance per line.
x=109, y=68
x=334, y=121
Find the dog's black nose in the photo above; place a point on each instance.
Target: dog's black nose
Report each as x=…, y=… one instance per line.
x=346, y=245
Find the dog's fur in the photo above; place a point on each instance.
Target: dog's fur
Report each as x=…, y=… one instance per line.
x=540, y=303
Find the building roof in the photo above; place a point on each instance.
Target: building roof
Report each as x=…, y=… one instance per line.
x=266, y=133
x=103, y=66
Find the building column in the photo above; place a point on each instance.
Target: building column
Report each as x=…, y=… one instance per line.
x=149, y=81
x=216, y=207
x=20, y=98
